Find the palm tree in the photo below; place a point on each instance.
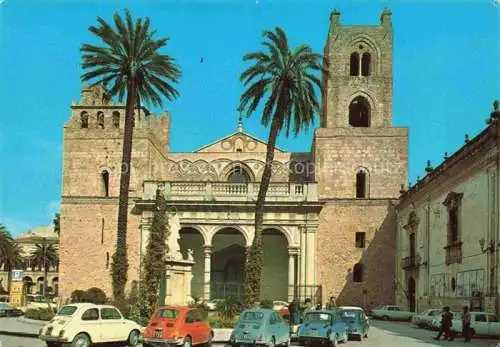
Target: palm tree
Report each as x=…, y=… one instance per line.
x=130, y=60
x=10, y=253
x=286, y=79
x=57, y=223
x=44, y=256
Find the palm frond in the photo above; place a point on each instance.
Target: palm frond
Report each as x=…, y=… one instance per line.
x=292, y=81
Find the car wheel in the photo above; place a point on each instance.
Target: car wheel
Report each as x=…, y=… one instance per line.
x=133, y=338
x=187, y=342
x=81, y=340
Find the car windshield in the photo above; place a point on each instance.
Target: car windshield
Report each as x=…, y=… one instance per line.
x=67, y=311
x=349, y=316
x=317, y=317
x=167, y=313
x=252, y=316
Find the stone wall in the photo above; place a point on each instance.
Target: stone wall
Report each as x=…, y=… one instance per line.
x=340, y=153
x=337, y=254
x=88, y=239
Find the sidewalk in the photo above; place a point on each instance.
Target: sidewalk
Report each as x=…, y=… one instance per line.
x=20, y=326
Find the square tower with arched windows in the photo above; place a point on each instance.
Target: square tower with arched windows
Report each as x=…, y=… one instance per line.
x=361, y=163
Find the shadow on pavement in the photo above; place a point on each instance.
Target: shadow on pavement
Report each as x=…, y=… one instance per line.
x=407, y=331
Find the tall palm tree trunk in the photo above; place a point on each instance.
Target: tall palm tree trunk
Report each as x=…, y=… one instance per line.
x=255, y=259
x=119, y=266
x=45, y=270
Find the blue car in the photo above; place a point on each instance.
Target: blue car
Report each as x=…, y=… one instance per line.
x=357, y=321
x=323, y=327
x=260, y=326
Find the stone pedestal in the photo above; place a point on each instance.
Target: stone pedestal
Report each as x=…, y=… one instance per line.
x=178, y=282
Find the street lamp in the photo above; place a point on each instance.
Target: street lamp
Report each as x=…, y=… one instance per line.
x=490, y=247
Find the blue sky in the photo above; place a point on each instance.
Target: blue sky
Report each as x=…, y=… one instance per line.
x=446, y=75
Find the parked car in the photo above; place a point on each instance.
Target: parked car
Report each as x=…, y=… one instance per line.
x=425, y=318
x=435, y=323
x=358, y=323
x=481, y=323
x=84, y=324
x=322, y=326
x=391, y=312
x=260, y=326
x=280, y=305
x=176, y=325
x=6, y=311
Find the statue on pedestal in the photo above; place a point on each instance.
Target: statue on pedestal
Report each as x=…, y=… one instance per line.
x=174, y=251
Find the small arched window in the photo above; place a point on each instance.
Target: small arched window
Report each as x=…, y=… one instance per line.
x=105, y=182
x=354, y=64
x=361, y=185
x=366, y=64
x=100, y=120
x=238, y=175
x=357, y=273
x=359, y=112
x=84, y=120
x=116, y=119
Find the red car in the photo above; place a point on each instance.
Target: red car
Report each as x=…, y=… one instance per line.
x=177, y=325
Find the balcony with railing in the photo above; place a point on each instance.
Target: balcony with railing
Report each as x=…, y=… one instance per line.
x=411, y=262
x=224, y=191
x=453, y=253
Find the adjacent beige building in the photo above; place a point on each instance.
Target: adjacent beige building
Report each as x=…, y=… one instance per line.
x=448, y=230
x=329, y=217
x=33, y=276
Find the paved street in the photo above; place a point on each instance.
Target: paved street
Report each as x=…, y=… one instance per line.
x=382, y=334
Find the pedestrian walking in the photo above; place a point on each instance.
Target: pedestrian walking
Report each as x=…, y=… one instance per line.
x=466, y=331
x=295, y=311
x=446, y=324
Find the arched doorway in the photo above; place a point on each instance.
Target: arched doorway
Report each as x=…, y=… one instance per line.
x=274, y=284
x=411, y=294
x=227, y=264
x=28, y=285
x=191, y=239
x=39, y=285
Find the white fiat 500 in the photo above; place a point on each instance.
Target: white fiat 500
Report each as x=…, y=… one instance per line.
x=85, y=324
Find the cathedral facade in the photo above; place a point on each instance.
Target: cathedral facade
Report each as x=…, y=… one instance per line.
x=329, y=216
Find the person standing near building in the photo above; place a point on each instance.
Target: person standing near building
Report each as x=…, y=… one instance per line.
x=466, y=333
x=331, y=303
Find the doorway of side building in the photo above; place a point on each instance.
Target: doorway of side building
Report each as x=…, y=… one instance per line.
x=227, y=264
x=411, y=294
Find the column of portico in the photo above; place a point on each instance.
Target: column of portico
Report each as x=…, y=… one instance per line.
x=311, y=255
x=292, y=280
x=207, y=252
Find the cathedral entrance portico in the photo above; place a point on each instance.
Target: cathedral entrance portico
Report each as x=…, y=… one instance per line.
x=216, y=236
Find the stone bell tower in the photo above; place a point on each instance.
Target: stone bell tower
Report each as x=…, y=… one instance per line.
x=361, y=162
